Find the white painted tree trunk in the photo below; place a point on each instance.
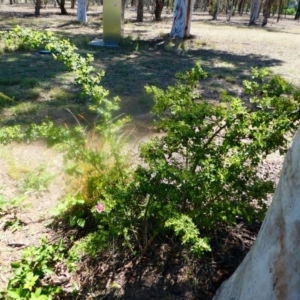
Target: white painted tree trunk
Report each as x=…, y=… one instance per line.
x=271, y=270
x=81, y=11
x=255, y=5
x=183, y=10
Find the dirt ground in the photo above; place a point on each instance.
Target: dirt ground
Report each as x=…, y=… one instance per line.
x=225, y=48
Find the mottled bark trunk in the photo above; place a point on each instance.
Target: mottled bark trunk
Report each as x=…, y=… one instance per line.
x=230, y=10
x=37, y=9
x=270, y=271
x=62, y=4
x=255, y=5
x=266, y=12
x=159, y=5
x=297, y=15
x=241, y=7
x=183, y=10
x=279, y=10
x=216, y=10
x=81, y=11
x=140, y=11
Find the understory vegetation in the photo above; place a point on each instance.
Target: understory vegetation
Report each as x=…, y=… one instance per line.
x=201, y=171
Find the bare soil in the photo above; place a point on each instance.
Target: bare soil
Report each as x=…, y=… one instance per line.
x=227, y=50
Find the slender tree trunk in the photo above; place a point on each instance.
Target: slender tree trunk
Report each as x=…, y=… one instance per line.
x=270, y=271
x=216, y=10
x=266, y=12
x=81, y=11
x=279, y=10
x=255, y=5
x=183, y=10
x=61, y=4
x=297, y=15
x=231, y=8
x=159, y=5
x=241, y=7
x=73, y=3
x=140, y=11
x=38, y=4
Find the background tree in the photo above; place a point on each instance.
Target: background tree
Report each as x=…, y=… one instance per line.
x=159, y=5
x=62, y=4
x=140, y=11
x=38, y=4
x=216, y=10
x=267, y=11
x=255, y=5
x=183, y=10
x=297, y=16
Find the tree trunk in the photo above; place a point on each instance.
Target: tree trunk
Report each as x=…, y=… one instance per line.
x=140, y=11
x=183, y=10
x=241, y=7
x=270, y=270
x=297, y=15
x=255, y=5
x=73, y=4
x=81, y=11
x=266, y=13
x=216, y=10
x=159, y=5
x=231, y=9
x=38, y=4
x=279, y=10
x=61, y=4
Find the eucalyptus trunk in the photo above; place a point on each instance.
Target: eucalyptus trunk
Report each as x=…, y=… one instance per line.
x=81, y=11
x=297, y=15
x=140, y=11
x=183, y=10
x=62, y=7
x=216, y=10
x=270, y=270
x=267, y=12
x=255, y=6
x=37, y=9
x=159, y=5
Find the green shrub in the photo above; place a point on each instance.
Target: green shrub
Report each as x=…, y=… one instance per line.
x=203, y=171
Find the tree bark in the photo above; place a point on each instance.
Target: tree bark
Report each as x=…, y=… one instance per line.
x=183, y=10
x=37, y=9
x=216, y=10
x=279, y=10
x=140, y=11
x=73, y=4
x=255, y=5
x=61, y=4
x=267, y=11
x=159, y=5
x=271, y=269
x=81, y=11
x=241, y=7
x=297, y=15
